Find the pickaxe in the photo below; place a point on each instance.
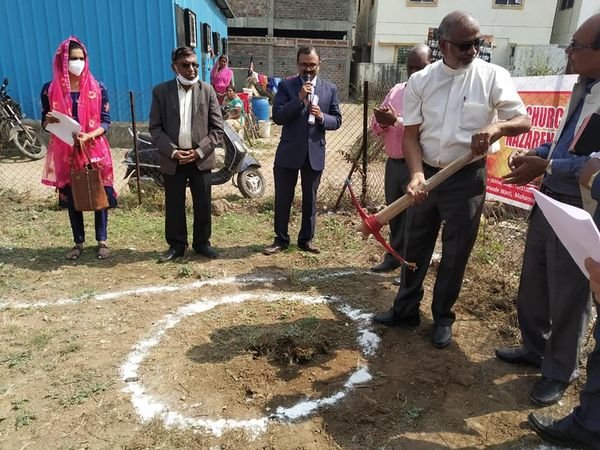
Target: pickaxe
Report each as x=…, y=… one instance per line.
x=372, y=224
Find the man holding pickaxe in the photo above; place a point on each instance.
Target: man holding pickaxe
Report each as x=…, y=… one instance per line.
x=454, y=109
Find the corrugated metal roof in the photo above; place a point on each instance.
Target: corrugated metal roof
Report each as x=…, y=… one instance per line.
x=129, y=44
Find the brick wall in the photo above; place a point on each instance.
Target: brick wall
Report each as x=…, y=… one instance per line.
x=253, y=8
x=333, y=52
x=294, y=9
x=333, y=56
x=312, y=9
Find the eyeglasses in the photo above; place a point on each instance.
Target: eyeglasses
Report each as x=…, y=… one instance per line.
x=187, y=65
x=573, y=46
x=466, y=46
x=308, y=66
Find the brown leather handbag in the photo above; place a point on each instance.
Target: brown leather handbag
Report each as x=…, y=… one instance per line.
x=87, y=188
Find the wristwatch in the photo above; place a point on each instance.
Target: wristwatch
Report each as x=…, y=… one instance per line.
x=590, y=182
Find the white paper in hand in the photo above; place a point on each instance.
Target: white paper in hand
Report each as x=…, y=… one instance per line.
x=65, y=128
x=574, y=227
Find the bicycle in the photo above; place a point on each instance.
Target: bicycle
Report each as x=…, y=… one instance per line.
x=250, y=126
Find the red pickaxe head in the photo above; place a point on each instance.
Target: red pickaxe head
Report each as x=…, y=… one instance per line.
x=370, y=225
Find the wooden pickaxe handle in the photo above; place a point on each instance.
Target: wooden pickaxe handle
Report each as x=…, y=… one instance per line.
x=396, y=207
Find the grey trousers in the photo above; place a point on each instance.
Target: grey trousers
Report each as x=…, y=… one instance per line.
x=553, y=303
x=397, y=177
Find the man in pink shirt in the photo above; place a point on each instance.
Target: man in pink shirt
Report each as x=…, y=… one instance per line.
x=387, y=121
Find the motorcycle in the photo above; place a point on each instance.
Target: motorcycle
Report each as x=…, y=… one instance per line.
x=238, y=161
x=14, y=129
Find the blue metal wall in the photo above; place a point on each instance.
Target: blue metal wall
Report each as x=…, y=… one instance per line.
x=206, y=12
x=129, y=44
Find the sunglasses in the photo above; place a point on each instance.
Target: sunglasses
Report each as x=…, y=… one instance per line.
x=187, y=65
x=573, y=45
x=466, y=46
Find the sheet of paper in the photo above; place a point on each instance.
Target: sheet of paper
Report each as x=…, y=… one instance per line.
x=574, y=227
x=65, y=128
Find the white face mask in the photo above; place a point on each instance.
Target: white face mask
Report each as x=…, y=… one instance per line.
x=76, y=66
x=185, y=81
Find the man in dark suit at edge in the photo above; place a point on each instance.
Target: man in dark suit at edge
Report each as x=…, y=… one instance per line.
x=553, y=302
x=302, y=146
x=581, y=427
x=186, y=125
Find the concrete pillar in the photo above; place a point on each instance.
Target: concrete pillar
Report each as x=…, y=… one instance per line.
x=270, y=20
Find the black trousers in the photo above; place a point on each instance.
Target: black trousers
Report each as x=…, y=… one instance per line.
x=458, y=203
x=175, y=218
x=397, y=177
x=285, y=185
x=584, y=420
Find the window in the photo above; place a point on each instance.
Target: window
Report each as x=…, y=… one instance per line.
x=566, y=4
x=513, y=4
x=401, y=52
x=421, y=2
x=509, y=2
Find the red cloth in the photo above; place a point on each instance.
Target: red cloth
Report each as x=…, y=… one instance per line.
x=245, y=98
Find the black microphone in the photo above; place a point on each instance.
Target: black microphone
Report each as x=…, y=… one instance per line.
x=307, y=79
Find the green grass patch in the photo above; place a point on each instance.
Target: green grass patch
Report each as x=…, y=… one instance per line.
x=40, y=340
x=82, y=394
x=71, y=347
x=23, y=417
x=18, y=359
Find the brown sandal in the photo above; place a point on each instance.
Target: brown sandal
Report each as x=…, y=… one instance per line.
x=103, y=251
x=75, y=252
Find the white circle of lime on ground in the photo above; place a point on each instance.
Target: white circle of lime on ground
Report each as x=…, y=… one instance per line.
x=149, y=407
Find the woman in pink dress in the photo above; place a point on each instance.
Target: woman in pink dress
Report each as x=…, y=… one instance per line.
x=221, y=76
x=74, y=92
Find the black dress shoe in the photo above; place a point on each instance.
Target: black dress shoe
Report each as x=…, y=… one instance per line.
x=309, y=247
x=547, y=391
x=171, y=254
x=518, y=355
x=548, y=429
x=274, y=248
x=442, y=336
x=388, y=319
x=206, y=250
x=385, y=266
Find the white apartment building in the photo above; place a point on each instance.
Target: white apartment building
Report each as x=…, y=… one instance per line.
x=569, y=15
x=386, y=29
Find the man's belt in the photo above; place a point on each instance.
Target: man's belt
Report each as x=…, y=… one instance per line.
x=478, y=163
x=564, y=198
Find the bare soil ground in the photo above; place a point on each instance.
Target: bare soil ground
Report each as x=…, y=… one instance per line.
x=70, y=328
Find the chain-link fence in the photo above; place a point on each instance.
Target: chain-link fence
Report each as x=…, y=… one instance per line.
x=352, y=151
x=345, y=155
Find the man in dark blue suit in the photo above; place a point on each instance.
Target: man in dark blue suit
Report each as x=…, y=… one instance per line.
x=581, y=428
x=299, y=101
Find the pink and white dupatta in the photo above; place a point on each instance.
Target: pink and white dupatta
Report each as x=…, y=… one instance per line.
x=60, y=154
x=221, y=78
